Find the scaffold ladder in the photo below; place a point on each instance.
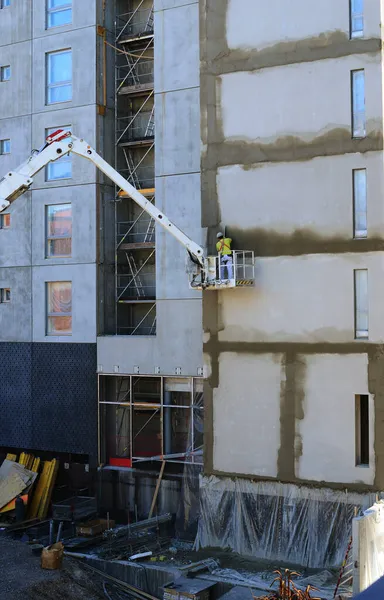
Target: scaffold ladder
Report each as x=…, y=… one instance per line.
x=135, y=275
x=149, y=235
x=150, y=21
x=150, y=130
x=132, y=169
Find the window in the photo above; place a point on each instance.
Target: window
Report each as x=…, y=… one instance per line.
x=358, y=103
x=360, y=203
x=5, y=3
x=357, y=18
x=5, y=146
x=361, y=303
x=62, y=168
x=59, y=230
x=5, y=221
x=5, y=73
x=59, y=76
x=362, y=429
x=5, y=295
x=59, y=308
x=59, y=12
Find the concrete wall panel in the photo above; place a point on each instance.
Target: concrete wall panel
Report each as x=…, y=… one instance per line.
x=314, y=196
x=83, y=204
x=16, y=93
x=16, y=316
x=178, y=343
x=167, y=4
x=259, y=24
x=16, y=23
x=83, y=123
x=327, y=430
x=177, y=132
x=179, y=198
x=83, y=15
x=304, y=299
x=175, y=38
x=246, y=414
x=83, y=65
x=83, y=278
x=304, y=100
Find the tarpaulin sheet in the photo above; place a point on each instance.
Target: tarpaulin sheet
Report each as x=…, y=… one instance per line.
x=278, y=522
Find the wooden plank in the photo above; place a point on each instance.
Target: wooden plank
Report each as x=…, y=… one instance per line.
x=11, y=457
x=36, y=500
x=156, y=489
x=10, y=487
x=46, y=499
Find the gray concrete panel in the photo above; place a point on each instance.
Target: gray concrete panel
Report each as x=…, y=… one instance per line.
x=83, y=15
x=83, y=45
x=15, y=241
x=178, y=344
x=177, y=52
x=165, y=4
x=83, y=278
x=18, y=130
x=15, y=316
x=83, y=201
x=83, y=123
x=16, y=93
x=179, y=198
x=177, y=132
x=15, y=23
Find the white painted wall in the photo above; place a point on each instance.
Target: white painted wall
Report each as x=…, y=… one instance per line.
x=259, y=24
x=328, y=429
x=246, y=412
x=304, y=100
x=315, y=195
x=304, y=299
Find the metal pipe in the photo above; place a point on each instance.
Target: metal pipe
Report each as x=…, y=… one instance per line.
x=167, y=423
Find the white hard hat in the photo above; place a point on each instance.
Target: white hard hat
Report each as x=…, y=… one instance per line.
x=220, y=235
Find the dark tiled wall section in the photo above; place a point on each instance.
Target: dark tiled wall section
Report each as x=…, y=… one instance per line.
x=48, y=397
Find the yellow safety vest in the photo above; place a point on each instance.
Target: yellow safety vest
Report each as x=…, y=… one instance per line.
x=224, y=246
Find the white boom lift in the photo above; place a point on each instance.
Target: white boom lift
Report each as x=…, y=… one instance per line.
x=206, y=273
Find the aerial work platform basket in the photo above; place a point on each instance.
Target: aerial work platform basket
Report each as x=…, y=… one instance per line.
x=214, y=274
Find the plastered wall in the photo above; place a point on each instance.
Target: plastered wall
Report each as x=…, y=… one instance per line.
x=283, y=365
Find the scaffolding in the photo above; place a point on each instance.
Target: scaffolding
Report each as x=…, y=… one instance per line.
x=150, y=419
x=135, y=276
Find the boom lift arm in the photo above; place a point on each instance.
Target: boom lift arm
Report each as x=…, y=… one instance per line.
x=60, y=143
x=208, y=272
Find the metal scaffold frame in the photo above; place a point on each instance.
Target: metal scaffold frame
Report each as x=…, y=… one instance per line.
x=135, y=283
x=127, y=401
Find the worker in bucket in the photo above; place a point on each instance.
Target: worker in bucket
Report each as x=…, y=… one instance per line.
x=223, y=248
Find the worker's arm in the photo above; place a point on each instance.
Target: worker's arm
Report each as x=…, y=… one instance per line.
x=61, y=143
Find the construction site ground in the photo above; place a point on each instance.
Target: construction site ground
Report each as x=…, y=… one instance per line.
x=22, y=577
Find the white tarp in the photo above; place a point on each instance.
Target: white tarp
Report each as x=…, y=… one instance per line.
x=278, y=522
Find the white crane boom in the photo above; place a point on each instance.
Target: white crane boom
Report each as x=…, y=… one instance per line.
x=61, y=143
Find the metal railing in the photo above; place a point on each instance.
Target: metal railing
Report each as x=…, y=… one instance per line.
x=145, y=177
x=140, y=72
x=137, y=22
x=136, y=232
x=135, y=127
x=240, y=268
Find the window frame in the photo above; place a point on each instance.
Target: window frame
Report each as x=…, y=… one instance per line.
x=2, y=151
x=359, y=234
x=3, y=216
x=49, y=238
x=4, y=69
x=4, y=299
x=50, y=10
x=4, y=5
x=50, y=315
x=361, y=334
x=50, y=86
x=64, y=159
x=357, y=114
x=353, y=16
x=362, y=454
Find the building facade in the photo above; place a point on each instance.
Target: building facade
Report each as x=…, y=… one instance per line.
x=228, y=115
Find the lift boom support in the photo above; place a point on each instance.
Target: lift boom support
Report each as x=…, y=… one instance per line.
x=60, y=143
